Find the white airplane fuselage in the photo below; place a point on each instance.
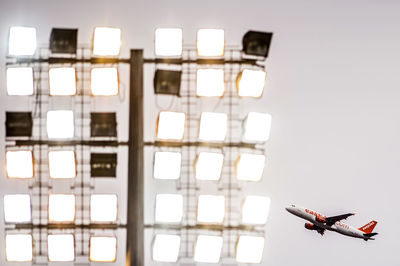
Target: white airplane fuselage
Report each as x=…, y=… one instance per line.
x=338, y=226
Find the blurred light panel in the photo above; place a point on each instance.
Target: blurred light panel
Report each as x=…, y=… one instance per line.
x=103, y=249
x=257, y=43
x=104, y=81
x=60, y=124
x=249, y=249
x=19, y=247
x=106, y=41
x=171, y=125
x=255, y=210
x=208, y=249
x=62, y=81
x=210, y=83
x=19, y=124
x=63, y=41
x=103, y=208
x=209, y=166
x=213, y=126
x=61, y=208
x=250, y=83
x=61, y=247
x=211, y=209
x=168, y=42
x=257, y=127
x=20, y=81
x=19, y=164
x=167, y=165
x=62, y=164
x=169, y=208
x=17, y=208
x=210, y=42
x=250, y=167
x=166, y=248
x=22, y=41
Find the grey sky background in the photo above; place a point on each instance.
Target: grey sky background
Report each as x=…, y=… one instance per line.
x=333, y=89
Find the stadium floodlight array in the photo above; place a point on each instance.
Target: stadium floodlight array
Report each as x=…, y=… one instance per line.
x=22, y=41
x=61, y=247
x=17, y=208
x=103, y=208
x=20, y=81
x=62, y=164
x=251, y=83
x=60, y=124
x=168, y=42
x=106, y=41
x=210, y=42
x=104, y=81
x=171, y=125
x=19, y=247
x=61, y=208
x=103, y=249
x=19, y=164
x=62, y=81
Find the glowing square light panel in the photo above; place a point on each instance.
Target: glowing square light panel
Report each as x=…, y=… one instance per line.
x=168, y=42
x=22, y=41
x=169, y=208
x=19, y=247
x=257, y=127
x=213, y=126
x=250, y=167
x=210, y=42
x=19, y=164
x=61, y=247
x=62, y=81
x=250, y=249
x=251, y=83
x=167, y=165
x=211, y=209
x=62, y=164
x=60, y=124
x=104, y=81
x=166, y=248
x=103, y=249
x=20, y=81
x=171, y=125
x=255, y=210
x=208, y=249
x=17, y=208
x=61, y=208
x=103, y=208
x=209, y=166
x=106, y=41
x=210, y=83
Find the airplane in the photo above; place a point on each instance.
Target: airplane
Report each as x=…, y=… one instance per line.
x=320, y=223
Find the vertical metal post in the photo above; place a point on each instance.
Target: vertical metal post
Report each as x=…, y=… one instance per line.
x=135, y=228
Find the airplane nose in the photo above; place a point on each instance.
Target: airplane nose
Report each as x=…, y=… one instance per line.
x=287, y=208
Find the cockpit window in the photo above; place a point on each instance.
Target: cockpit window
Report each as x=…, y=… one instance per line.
x=292, y=205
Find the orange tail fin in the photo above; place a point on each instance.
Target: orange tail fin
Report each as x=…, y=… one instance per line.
x=369, y=227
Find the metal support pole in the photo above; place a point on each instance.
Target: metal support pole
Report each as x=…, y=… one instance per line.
x=135, y=216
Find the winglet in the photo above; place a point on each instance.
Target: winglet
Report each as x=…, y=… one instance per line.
x=369, y=227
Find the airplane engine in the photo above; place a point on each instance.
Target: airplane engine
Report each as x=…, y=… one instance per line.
x=320, y=219
x=310, y=226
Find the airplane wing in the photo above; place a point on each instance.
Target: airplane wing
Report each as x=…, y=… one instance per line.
x=333, y=219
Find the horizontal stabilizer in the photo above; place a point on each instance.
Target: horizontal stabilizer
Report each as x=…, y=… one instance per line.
x=370, y=234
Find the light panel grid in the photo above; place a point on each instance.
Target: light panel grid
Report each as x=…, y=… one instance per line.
x=251, y=83
x=19, y=164
x=210, y=42
x=103, y=249
x=62, y=164
x=62, y=81
x=20, y=81
x=60, y=124
x=61, y=208
x=61, y=247
x=104, y=81
x=168, y=42
x=171, y=125
x=19, y=247
x=106, y=41
x=17, y=208
x=22, y=41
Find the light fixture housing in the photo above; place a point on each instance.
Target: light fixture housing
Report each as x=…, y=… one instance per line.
x=103, y=249
x=166, y=247
x=168, y=42
x=19, y=164
x=251, y=83
x=167, y=82
x=22, y=41
x=255, y=210
x=19, y=124
x=250, y=167
x=171, y=125
x=103, y=164
x=167, y=165
x=249, y=249
x=257, y=127
x=17, y=208
x=257, y=43
x=62, y=81
x=211, y=209
x=60, y=124
x=208, y=249
x=103, y=208
x=209, y=166
x=210, y=42
x=104, y=81
x=106, y=41
x=169, y=208
x=213, y=126
x=62, y=164
x=18, y=247
x=210, y=83
x=63, y=41
x=103, y=124
x=60, y=247
x=61, y=208
x=20, y=81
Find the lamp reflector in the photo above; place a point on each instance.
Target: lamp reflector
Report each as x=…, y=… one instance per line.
x=169, y=208
x=249, y=249
x=61, y=208
x=168, y=42
x=103, y=164
x=62, y=81
x=103, y=125
x=167, y=165
x=19, y=124
x=60, y=124
x=171, y=125
x=19, y=247
x=19, y=164
x=104, y=81
x=62, y=164
x=210, y=42
x=208, y=249
x=63, y=41
x=22, y=41
x=209, y=166
x=257, y=43
x=166, y=248
x=167, y=82
x=257, y=127
x=60, y=247
x=250, y=167
x=103, y=249
x=255, y=210
x=106, y=41
x=20, y=81
x=211, y=209
x=250, y=83
x=103, y=208
x=213, y=126
x=210, y=83
x=17, y=208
